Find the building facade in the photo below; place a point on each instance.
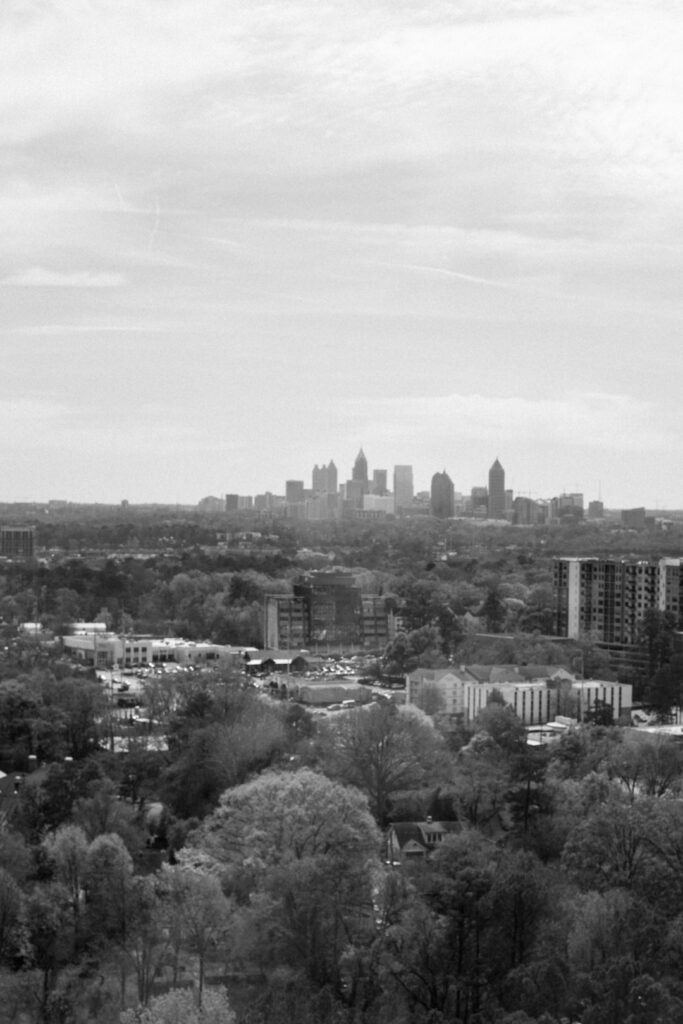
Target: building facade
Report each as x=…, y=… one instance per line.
x=285, y=623
x=379, y=483
x=442, y=496
x=324, y=479
x=359, y=472
x=17, y=541
x=537, y=694
x=327, y=612
x=607, y=598
x=403, y=487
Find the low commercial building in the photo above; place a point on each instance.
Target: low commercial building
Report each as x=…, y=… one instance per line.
x=93, y=645
x=536, y=693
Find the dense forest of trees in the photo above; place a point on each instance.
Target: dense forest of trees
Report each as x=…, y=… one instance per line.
x=244, y=865
x=236, y=872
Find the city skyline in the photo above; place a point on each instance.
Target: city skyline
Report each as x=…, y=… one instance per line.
x=237, y=236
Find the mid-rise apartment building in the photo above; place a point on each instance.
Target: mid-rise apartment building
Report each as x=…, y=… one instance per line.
x=607, y=598
x=285, y=623
x=17, y=541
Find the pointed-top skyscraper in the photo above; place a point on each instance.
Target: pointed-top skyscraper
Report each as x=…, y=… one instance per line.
x=496, y=491
x=360, y=468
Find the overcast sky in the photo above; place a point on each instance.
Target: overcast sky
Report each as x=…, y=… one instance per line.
x=240, y=238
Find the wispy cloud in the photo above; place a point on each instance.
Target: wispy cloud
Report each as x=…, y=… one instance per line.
x=92, y=329
x=594, y=420
x=42, y=277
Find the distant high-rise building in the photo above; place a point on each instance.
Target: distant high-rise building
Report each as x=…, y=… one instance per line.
x=231, y=502
x=596, y=510
x=211, y=504
x=294, y=492
x=360, y=469
x=480, y=502
x=527, y=512
x=325, y=479
x=633, y=518
x=379, y=482
x=567, y=507
x=403, y=487
x=442, y=496
x=496, y=505
x=354, y=490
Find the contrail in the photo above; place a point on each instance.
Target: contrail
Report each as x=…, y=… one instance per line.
x=441, y=270
x=455, y=273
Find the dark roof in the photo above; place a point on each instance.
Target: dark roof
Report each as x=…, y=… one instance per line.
x=426, y=675
x=511, y=673
x=417, y=831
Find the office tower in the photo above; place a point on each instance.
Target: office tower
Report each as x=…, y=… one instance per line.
x=480, y=502
x=567, y=508
x=285, y=622
x=442, y=496
x=360, y=469
x=403, y=487
x=496, y=504
x=294, y=492
x=379, y=482
x=333, y=605
x=527, y=512
x=319, y=479
x=231, y=502
x=17, y=541
x=354, y=491
x=324, y=479
x=633, y=518
x=596, y=510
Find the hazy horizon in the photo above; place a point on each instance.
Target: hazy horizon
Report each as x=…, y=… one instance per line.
x=239, y=240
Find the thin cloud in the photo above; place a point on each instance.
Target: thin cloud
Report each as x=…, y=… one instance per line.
x=41, y=277
x=45, y=330
x=619, y=423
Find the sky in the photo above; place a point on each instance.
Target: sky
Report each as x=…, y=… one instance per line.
x=239, y=239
